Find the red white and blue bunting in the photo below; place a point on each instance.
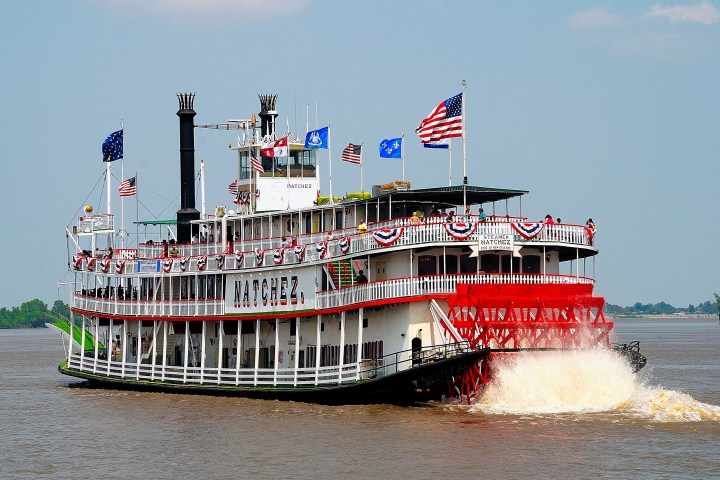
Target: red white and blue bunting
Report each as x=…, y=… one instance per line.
x=460, y=230
x=91, y=264
x=167, y=265
x=528, y=230
x=299, y=253
x=77, y=260
x=344, y=244
x=104, y=265
x=220, y=259
x=321, y=249
x=239, y=259
x=201, y=262
x=242, y=198
x=279, y=256
x=387, y=236
x=119, y=266
x=183, y=263
x=259, y=257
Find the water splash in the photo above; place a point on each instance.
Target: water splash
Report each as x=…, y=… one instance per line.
x=582, y=381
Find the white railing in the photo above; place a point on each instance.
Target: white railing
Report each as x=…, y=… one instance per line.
x=151, y=308
x=332, y=375
x=430, y=285
x=217, y=258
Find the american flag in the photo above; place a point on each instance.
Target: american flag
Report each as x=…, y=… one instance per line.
x=443, y=122
x=257, y=165
x=233, y=187
x=128, y=187
x=352, y=153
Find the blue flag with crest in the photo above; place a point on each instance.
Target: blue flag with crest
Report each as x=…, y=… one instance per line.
x=391, y=148
x=317, y=138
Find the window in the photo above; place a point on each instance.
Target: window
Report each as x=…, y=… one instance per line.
x=451, y=264
x=292, y=328
x=427, y=265
x=468, y=264
x=490, y=263
x=531, y=264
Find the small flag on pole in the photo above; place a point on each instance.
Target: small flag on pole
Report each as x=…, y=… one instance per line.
x=317, y=138
x=444, y=143
x=352, y=153
x=278, y=148
x=128, y=187
x=233, y=187
x=112, y=147
x=391, y=148
x=443, y=122
x=257, y=165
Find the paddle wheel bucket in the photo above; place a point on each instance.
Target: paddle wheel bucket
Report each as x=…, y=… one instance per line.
x=510, y=318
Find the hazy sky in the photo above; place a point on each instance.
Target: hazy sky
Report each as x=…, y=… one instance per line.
x=609, y=110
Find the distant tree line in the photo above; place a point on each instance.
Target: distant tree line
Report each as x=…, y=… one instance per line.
x=32, y=314
x=662, y=308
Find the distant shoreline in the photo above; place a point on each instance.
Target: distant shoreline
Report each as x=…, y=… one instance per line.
x=664, y=315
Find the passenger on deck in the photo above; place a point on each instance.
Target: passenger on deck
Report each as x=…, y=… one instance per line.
x=361, y=278
x=285, y=242
x=362, y=226
x=481, y=215
x=174, y=252
x=450, y=217
x=194, y=238
x=108, y=253
x=414, y=220
x=165, y=248
x=591, y=225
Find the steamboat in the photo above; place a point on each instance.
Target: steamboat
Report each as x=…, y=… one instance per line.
x=380, y=297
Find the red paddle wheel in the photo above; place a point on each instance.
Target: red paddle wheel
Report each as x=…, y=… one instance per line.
x=511, y=318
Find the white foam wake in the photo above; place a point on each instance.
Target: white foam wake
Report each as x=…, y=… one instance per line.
x=582, y=381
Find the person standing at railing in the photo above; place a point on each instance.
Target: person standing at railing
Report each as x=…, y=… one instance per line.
x=362, y=227
x=481, y=215
x=361, y=278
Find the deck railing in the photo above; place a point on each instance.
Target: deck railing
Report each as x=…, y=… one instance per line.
x=230, y=376
x=406, y=287
x=429, y=285
x=217, y=258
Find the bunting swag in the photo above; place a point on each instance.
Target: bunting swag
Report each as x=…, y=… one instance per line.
x=528, y=230
x=220, y=259
x=278, y=256
x=119, y=266
x=91, y=264
x=460, y=230
x=167, y=265
x=77, y=260
x=202, y=260
x=321, y=249
x=104, y=265
x=299, y=253
x=344, y=245
x=387, y=236
x=239, y=259
x=259, y=257
x=183, y=263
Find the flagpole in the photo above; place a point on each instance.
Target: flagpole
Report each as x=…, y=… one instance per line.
x=361, y=168
x=465, y=179
x=202, y=188
x=402, y=155
x=450, y=171
x=332, y=199
x=122, y=199
x=137, y=213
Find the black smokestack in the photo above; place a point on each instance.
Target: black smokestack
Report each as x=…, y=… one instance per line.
x=267, y=114
x=187, y=210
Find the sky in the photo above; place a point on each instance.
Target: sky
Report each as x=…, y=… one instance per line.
x=609, y=110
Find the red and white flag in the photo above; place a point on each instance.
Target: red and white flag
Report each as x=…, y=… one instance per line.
x=257, y=165
x=446, y=121
x=278, y=148
x=233, y=187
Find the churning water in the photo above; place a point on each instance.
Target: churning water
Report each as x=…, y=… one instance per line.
x=583, y=381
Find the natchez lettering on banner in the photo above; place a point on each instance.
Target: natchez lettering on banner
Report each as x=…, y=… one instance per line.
x=271, y=292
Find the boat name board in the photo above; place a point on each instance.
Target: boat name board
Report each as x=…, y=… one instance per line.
x=148, y=266
x=271, y=293
x=496, y=242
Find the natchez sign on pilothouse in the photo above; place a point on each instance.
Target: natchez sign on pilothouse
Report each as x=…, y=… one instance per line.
x=271, y=291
